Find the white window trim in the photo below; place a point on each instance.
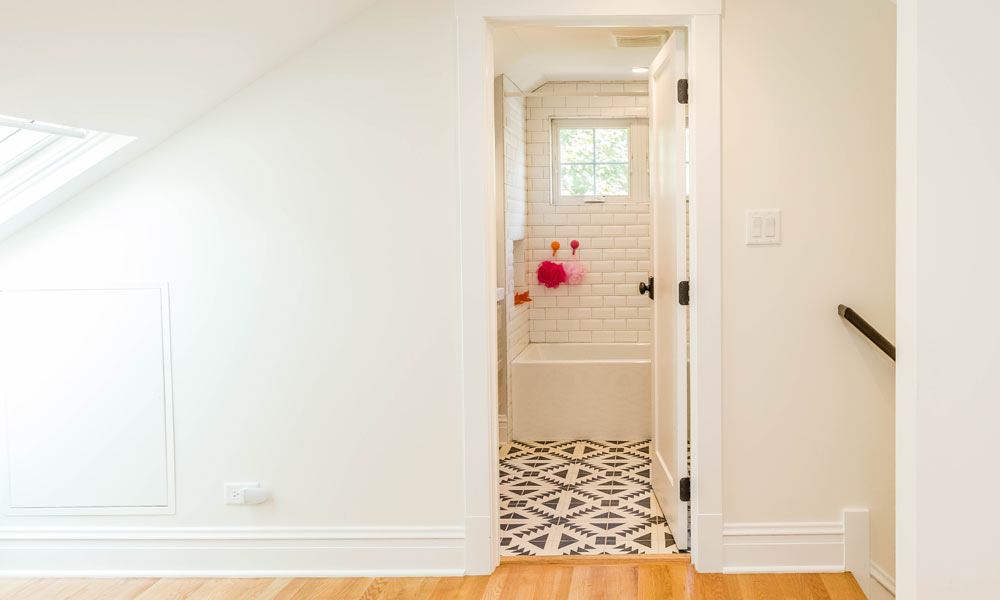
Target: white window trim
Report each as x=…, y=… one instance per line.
x=51, y=166
x=638, y=143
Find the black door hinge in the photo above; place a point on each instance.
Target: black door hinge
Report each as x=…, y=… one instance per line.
x=685, y=489
x=646, y=287
x=684, y=293
x=682, y=91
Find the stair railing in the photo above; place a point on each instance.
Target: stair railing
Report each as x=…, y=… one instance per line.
x=867, y=330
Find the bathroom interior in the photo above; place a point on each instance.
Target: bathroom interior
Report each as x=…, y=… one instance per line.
x=575, y=253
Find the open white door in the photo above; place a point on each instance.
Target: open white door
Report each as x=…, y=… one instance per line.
x=667, y=125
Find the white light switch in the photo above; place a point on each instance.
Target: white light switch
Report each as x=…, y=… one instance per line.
x=763, y=227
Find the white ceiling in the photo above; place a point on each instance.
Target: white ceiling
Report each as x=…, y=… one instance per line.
x=530, y=56
x=146, y=67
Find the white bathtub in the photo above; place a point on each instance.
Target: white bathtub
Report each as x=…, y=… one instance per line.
x=582, y=391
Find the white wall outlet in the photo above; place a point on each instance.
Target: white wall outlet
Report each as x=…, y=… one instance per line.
x=763, y=227
x=236, y=492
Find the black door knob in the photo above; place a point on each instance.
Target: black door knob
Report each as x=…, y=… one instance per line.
x=646, y=287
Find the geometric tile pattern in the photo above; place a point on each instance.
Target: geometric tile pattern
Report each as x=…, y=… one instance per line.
x=579, y=497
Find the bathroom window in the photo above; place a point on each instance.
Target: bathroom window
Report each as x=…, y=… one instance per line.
x=599, y=160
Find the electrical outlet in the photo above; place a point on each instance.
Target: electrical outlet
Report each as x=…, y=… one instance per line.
x=234, y=492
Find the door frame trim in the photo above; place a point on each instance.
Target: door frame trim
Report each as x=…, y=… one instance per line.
x=475, y=20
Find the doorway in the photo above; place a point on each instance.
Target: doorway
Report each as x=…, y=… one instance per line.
x=593, y=411
x=482, y=488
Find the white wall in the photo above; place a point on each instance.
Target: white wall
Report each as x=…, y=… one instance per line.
x=312, y=251
x=808, y=101
x=948, y=321
x=143, y=69
x=310, y=247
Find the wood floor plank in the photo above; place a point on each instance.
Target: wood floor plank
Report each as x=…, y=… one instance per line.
x=350, y=588
x=405, y=588
x=518, y=580
x=497, y=581
x=49, y=589
x=797, y=586
x=761, y=586
x=662, y=581
x=171, y=589
x=842, y=585
x=528, y=583
x=709, y=586
x=112, y=589
x=224, y=589
x=9, y=586
x=605, y=582
x=461, y=588
x=280, y=587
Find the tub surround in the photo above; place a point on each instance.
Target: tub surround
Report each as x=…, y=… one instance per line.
x=515, y=215
x=513, y=154
x=582, y=391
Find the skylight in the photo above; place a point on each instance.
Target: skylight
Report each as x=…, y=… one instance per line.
x=38, y=158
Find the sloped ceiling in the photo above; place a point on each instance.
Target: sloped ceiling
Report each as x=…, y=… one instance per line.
x=146, y=67
x=530, y=56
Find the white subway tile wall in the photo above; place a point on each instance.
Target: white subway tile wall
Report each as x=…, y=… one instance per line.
x=515, y=217
x=614, y=238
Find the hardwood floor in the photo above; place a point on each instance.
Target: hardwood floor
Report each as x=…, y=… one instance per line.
x=517, y=580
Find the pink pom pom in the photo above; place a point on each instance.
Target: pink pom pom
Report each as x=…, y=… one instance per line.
x=575, y=272
x=551, y=274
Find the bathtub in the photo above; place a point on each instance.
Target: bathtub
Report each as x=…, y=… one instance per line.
x=582, y=391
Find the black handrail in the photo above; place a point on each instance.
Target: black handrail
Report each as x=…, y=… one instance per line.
x=867, y=330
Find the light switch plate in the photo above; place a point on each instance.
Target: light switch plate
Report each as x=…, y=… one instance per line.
x=763, y=227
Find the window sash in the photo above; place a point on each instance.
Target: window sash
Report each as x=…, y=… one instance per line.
x=637, y=157
x=38, y=158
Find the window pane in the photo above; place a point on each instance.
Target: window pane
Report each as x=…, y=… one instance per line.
x=612, y=180
x=20, y=141
x=576, y=145
x=612, y=145
x=576, y=180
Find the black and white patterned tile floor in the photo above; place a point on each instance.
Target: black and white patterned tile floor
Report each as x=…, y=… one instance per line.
x=579, y=497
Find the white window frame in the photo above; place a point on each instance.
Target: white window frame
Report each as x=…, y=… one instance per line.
x=51, y=163
x=638, y=150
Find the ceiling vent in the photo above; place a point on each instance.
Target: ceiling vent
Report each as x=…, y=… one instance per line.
x=640, y=38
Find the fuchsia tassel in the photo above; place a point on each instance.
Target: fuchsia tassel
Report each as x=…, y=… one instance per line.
x=575, y=272
x=551, y=274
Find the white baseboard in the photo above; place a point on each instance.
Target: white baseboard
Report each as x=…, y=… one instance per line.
x=707, y=549
x=232, y=552
x=822, y=547
x=479, y=559
x=885, y=581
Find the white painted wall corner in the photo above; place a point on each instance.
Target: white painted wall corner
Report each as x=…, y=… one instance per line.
x=883, y=585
